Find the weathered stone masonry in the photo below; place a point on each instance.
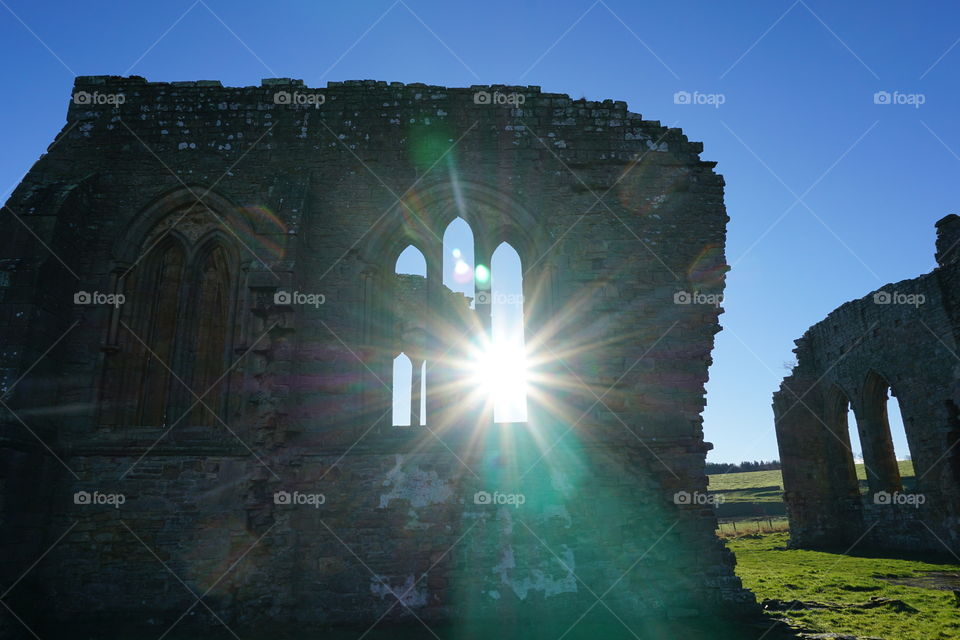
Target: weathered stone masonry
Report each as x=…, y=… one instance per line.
x=902, y=338
x=199, y=204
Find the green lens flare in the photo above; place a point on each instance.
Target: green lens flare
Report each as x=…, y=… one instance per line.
x=482, y=273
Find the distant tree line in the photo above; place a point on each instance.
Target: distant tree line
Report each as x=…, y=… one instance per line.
x=756, y=465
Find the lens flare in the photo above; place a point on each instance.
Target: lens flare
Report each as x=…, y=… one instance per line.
x=482, y=273
x=462, y=274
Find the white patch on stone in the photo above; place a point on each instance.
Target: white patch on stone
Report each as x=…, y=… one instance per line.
x=420, y=488
x=539, y=579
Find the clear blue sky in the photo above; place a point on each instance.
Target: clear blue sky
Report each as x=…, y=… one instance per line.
x=798, y=119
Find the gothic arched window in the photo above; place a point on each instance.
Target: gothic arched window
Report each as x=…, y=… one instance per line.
x=175, y=329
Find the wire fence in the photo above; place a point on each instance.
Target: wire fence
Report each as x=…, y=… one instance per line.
x=745, y=526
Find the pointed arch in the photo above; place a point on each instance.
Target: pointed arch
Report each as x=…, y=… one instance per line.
x=507, y=335
x=411, y=316
x=411, y=262
x=458, y=331
x=170, y=206
x=873, y=423
x=174, y=337
x=402, y=376
x=844, y=440
x=459, y=259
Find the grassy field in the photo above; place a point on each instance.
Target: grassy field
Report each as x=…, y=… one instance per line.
x=753, y=480
x=844, y=594
x=758, y=494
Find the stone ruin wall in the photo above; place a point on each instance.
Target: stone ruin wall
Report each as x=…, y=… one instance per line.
x=904, y=336
x=307, y=200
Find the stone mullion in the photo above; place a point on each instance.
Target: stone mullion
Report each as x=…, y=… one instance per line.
x=483, y=255
x=434, y=345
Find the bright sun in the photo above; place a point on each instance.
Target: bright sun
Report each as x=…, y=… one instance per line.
x=501, y=373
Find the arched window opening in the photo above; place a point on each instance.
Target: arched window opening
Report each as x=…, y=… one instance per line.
x=410, y=331
x=879, y=455
x=402, y=377
x=898, y=431
x=175, y=331
x=508, y=378
x=411, y=262
x=846, y=441
x=458, y=259
x=901, y=445
x=471, y=324
x=856, y=449
x=423, y=394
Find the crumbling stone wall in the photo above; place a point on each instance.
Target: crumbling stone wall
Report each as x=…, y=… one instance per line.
x=292, y=498
x=903, y=336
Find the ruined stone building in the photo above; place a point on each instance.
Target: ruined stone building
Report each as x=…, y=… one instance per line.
x=200, y=312
x=902, y=339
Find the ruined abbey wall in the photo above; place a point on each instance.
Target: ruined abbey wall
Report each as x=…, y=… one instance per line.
x=900, y=339
x=219, y=402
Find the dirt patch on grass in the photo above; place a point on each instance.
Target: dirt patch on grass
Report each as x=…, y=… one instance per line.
x=940, y=580
x=893, y=604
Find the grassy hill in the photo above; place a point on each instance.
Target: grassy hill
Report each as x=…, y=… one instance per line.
x=759, y=493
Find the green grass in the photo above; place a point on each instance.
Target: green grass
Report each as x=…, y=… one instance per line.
x=747, y=480
x=766, y=486
x=771, y=571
